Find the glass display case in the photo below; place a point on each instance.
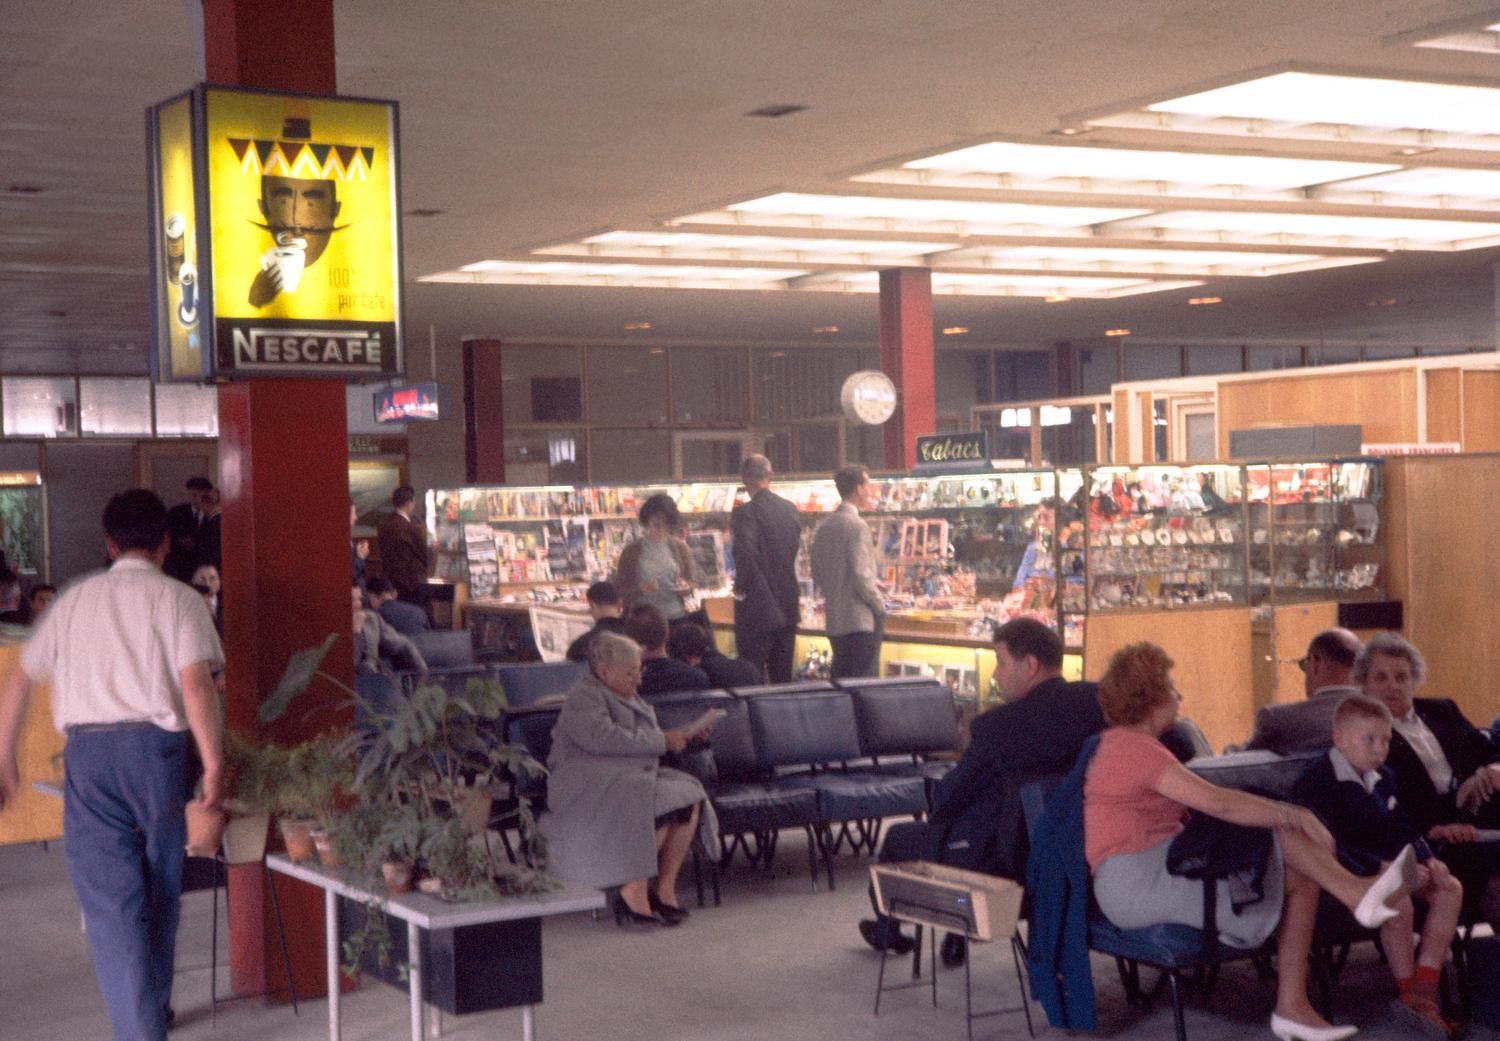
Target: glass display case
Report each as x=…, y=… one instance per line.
x=1315, y=530
x=1166, y=536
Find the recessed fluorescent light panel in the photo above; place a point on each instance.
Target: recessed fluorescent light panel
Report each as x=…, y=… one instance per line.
x=1306, y=229
x=1329, y=107
x=1181, y=262
x=641, y=276
x=1480, y=41
x=862, y=212
x=1040, y=286
x=683, y=244
x=1468, y=189
x=1020, y=166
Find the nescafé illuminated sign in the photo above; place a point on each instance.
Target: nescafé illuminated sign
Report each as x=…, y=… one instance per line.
x=276, y=236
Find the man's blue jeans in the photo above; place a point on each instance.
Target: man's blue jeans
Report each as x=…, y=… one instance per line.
x=124, y=833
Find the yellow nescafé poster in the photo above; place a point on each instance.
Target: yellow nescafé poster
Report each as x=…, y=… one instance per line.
x=304, y=234
x=179, y=338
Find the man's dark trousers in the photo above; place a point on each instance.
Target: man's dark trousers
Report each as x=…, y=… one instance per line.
x=124, y=833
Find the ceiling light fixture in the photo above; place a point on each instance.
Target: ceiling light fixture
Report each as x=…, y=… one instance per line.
x=712, y=246
x=858, y=212
x=825, y=329
x=960, y=283
x=1296, y=105
x=639, y=276
x=1117, y=332
x=637, y=326
x=1153, y=258
x=955, y=330
x=1198, y=301
x=1308, y=229
x=1056, y=298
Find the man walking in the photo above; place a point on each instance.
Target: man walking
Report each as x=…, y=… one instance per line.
x=766, y=536
x=403, y=548
x=843, y=568
x=129, y=654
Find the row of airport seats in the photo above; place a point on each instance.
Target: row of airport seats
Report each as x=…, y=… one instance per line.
x=832, y=759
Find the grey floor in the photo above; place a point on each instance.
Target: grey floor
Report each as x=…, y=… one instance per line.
x=776, y=961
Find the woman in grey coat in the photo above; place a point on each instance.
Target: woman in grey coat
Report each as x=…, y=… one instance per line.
x=617, y=817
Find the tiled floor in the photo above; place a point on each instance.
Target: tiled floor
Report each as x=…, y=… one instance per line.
x=777, y=962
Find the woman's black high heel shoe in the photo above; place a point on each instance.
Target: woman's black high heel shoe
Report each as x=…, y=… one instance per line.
x=628, y=918
x=666, y=912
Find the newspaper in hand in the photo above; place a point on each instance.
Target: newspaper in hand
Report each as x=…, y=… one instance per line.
x=703, y=722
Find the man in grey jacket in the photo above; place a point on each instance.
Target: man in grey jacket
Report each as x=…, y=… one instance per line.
x=1307, y=726
x=843, y=568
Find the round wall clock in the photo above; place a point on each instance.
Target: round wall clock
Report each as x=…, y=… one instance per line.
x=868, y=397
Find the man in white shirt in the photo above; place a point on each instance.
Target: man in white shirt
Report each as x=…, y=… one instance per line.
x=843, y=568
x=129, y=654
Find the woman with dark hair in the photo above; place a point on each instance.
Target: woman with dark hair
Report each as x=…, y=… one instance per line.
x=656, y=568
x=1135, y=799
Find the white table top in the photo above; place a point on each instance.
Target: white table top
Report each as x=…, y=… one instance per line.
x=429, y=912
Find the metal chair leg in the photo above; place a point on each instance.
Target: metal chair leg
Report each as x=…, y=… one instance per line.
x=1177, y=1016
x=1017, y=954
x=213, y=960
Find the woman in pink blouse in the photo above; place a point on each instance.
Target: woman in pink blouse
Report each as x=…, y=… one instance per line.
x=1136, y=797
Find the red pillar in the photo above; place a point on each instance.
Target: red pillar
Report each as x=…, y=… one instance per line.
x=484, y=421
x=283, y=462
x=906, y=357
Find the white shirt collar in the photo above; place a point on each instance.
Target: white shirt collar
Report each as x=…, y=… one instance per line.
x=1343, y=770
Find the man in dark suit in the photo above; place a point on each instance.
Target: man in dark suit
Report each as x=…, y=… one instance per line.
x=183, y=523
x=660, y=673
x=1307, y=726
x=1447, y=771
x=403, y=548
x=691, y=644
x=406, y=619
x=976, y=820
x=767, y=536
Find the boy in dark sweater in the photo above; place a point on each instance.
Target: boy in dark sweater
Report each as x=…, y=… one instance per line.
x=1354, y=794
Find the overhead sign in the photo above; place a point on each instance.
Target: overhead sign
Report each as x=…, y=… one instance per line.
x=398, y=404
x=1411, y=448
x=954, y=451
x=276, y=236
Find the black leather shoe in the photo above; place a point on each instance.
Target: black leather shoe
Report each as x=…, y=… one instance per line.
x=890, y=939
x=669, y=914
x=955, y=950
x=625, y=918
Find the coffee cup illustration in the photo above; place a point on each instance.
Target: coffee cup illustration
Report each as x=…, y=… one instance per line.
x=176, y=241
x=284, y=262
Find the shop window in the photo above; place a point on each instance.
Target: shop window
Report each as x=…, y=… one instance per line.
x=40, y=406
x=114, y=407
x=1386, y=351
x=866, y=445
x=619, y=456
x=1263, y=359
x=1024, y=375
x=556, y=456
x=628, y=385
x=541, y=384
x=1148, y=361
x=961, y=381
x=799, y=384
x=710, y=386
x=187, y=410
x=1068, y=435
x=817, y=449
x=1098, y=369
x=1208, y=359
x=1332, y=355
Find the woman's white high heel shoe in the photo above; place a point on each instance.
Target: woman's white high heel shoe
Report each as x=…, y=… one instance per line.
x=1289, y=1031
x=1373, y=911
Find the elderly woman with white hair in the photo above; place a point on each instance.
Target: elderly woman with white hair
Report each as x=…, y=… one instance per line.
x=616, y=816
x=1447, y=772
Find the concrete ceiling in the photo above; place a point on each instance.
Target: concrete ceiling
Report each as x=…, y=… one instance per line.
x=527, y=123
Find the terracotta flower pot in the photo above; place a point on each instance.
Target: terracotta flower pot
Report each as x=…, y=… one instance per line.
x=245, y=837
x=298, y=838
x=397, y=876
x=323, y=842
x=205, y=830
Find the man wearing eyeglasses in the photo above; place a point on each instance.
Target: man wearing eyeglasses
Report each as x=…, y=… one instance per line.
x=1306, y=726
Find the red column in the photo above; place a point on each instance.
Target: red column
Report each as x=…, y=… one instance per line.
x=906, y=357
x=283, y=463
x=484, y=422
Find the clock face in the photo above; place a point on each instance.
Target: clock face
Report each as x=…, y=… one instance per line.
x=868, y=397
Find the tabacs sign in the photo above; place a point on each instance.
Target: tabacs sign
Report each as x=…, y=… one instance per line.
x=275, y=231
x=954, y=451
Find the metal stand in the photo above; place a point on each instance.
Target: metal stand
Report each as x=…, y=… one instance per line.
x=1017, y=949
x=213, y=972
